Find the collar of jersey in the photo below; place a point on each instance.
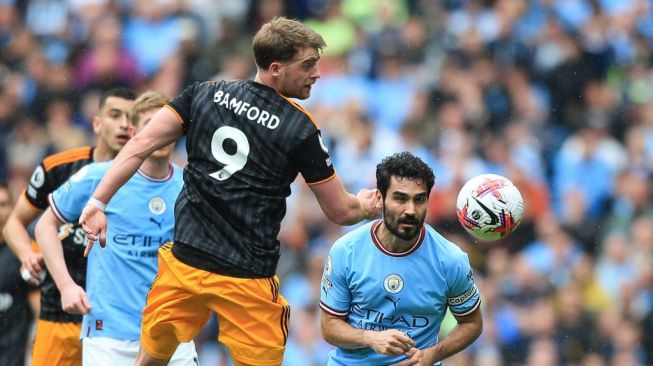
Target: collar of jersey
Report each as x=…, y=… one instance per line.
x=142, y=173
x=412, y=249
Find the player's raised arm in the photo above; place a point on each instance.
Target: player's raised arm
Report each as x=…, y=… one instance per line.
x=344, y=208
x=73, y=297
x=164, y=129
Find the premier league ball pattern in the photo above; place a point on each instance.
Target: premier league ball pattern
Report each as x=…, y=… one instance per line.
x=489, y=206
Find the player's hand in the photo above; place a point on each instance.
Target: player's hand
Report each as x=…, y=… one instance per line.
x=73, y=300
x=33, y=266
x=391, y=342
x=94, y=223
x=415, y=358
x=370, y=199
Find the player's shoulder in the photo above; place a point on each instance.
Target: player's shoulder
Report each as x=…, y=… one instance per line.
x=177, y=171
x=444, y=246
x=177, y=174
x=352, y=239
x=92, y=170
x=77, y=155
x=300, y=112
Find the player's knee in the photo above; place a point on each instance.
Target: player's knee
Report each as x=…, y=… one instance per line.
x=145, y=359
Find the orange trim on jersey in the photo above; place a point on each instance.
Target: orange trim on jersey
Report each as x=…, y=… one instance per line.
x=66, y=157
x=181, y=120
x=301, y=109
x=24, y=195
x=322, y=181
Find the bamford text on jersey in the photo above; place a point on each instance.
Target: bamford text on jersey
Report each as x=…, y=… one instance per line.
x=253, y=113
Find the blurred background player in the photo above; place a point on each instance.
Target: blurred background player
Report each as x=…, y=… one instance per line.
x=143, y=220
x=246, y=142
x=388, y=284
x=57, y=332
x=17, y=306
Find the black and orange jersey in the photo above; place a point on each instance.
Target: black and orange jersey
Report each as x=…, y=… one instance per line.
x=246, y=144
x=52, y=172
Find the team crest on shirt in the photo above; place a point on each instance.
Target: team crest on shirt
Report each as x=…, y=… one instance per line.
x=322, y=145
x=38, y=177
x=393, y=283
x=326, y=283
x=327, y=267
x=157, y=205
x=80, y=174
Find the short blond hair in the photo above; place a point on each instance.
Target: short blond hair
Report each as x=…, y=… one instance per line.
x=146, y=101
x=280, y=39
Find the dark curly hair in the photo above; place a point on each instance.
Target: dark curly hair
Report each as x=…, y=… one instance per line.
x=403, y=165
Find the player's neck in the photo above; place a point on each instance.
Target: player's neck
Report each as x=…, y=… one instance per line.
x=157, y=168
x=101, y=152
x=391, y=242
x=265, y=79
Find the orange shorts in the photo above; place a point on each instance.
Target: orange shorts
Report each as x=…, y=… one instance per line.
x=57, y=344
x=253, y=318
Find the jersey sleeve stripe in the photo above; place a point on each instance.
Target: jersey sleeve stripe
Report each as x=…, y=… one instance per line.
x=332, y=311
x=56, y=211
x=67, y=157
x=181, y=120
x=471, y=310
x=310, y=116
x=24, y=195
x=322, y=181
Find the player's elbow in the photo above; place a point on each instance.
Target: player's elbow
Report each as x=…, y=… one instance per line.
x=11, y=228
x=341, y=217
x=141, y=145
x=45, y=227
x=6, y=230
x=327, y=334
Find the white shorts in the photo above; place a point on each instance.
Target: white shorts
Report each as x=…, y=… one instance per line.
x=101, y=351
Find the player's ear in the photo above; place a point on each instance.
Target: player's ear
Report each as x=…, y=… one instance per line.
x=97, y=123
x=275, y=69
x=132, y=130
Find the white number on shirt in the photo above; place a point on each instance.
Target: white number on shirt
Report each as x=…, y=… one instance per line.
x=235, y=162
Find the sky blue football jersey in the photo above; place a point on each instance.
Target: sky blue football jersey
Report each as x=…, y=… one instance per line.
x=378, y=290
x=140, y=219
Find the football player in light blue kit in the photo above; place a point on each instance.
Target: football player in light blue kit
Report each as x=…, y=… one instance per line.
x=387, y=285
x=118, y=277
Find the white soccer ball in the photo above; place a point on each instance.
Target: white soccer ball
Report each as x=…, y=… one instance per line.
x=489, y=206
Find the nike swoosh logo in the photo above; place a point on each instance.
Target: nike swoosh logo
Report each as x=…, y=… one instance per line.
x=494, y=218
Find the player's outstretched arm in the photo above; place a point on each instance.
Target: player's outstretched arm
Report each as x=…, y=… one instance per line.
x=164, y=128
x=73, y=297
x=344, y=208
x=18, y=240
x=339, y=333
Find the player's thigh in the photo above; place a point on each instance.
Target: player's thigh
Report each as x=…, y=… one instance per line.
x=57, y=344
x=185, y=355
x=175, y=312
x=100, y=351
x=253, y=318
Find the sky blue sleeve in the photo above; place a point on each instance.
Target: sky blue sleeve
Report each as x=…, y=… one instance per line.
x=335, y=296
x=69, y=199
x=463, y=296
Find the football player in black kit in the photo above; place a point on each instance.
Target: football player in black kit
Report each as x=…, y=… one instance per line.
x=15, y=299
x=246, y=143
x=57, y=339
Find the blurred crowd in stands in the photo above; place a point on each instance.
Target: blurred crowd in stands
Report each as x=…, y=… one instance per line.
x=556, y=95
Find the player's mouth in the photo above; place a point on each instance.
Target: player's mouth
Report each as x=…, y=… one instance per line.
x=122, y=139
x=409, y=223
